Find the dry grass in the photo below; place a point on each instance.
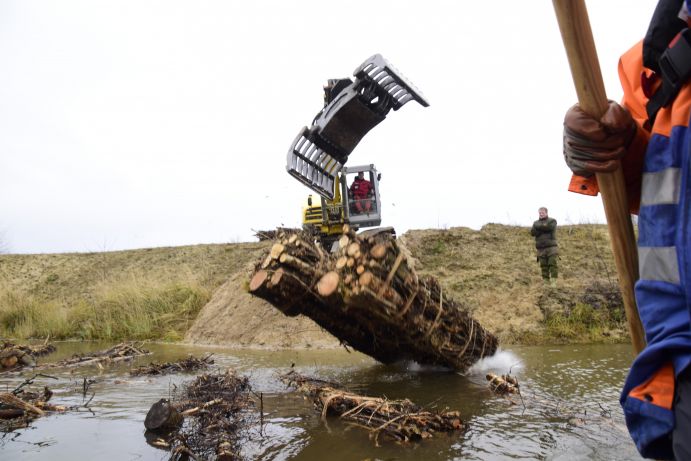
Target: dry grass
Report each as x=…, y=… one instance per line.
x=156, y=293
x=495, y=273
x=140, y=294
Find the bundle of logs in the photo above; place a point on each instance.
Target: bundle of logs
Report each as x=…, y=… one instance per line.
x=118, y=353
x=191, y=363
x=399, y=420
x=16, y=356
x=503, y=384
x=204, y=421
x=369, y=296
x=19, y=407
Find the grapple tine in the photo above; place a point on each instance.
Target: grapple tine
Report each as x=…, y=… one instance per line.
x=377, y=68
x=353, y=108
x=312, y=166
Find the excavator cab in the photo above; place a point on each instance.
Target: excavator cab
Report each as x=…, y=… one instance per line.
x=356, y=203
x=361, y=202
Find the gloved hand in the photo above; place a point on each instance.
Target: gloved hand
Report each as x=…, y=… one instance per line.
x=594, y=146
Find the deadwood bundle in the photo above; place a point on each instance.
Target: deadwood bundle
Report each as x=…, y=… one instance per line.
x=15, y=356
x=20, y=407
x=120, y=352
x=369, y=296
x=191, y=363
x=207, y=419
x=398, y=420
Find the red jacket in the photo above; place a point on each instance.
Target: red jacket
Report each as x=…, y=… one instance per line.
x=361, y=188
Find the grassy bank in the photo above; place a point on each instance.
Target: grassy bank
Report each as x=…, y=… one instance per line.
x=157, y=293
x=494, y=272
x=120, y=311
x=139, y=294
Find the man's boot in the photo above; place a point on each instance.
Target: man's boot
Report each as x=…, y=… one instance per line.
x=553, y=283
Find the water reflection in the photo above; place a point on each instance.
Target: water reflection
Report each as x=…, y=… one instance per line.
x=569, y=408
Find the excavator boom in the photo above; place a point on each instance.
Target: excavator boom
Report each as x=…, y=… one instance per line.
x=319, y=152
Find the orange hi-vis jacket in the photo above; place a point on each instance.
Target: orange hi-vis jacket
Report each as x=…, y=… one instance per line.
x=657, y=171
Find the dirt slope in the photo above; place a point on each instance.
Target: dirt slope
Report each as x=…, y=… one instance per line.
x=235, y=317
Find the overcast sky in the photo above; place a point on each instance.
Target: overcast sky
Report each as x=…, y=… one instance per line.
x=131, y=124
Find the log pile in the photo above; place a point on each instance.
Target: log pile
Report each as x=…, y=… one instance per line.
x=398, y=420
x=264, y=235
x=16, y=356
x=20, y=407
x=118, y=353
x=369, y=296
x=191, y=363
x=205, y=420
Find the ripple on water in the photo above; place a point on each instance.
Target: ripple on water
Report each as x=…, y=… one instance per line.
x=569, y=409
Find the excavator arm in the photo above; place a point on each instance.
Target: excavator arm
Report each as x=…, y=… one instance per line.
x=351, y=110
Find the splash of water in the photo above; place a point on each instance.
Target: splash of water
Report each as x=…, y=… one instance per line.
x=501, y=361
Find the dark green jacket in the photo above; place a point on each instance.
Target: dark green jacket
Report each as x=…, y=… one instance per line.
x=545, y=233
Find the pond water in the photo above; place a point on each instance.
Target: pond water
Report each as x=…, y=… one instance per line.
x=569, y=408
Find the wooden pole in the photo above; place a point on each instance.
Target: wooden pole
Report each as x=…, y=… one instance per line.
x=587, y=78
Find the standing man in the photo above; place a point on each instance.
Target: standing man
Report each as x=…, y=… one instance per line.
x=649, y=132
x=545, y=232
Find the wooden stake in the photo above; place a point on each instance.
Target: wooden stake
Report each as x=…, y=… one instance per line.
x=585, y=70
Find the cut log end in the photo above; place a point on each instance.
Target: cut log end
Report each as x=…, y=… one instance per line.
x=343, y=241
x=378, y=251
x=365, y=278
x=276, y=250
x=258, y=280
x=328, y=284
x=341, y=262
x=267, y=262
x=277, y=276
x=162, y=415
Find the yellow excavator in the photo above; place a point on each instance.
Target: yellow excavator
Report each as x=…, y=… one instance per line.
x=318, y=154
x=325, y=218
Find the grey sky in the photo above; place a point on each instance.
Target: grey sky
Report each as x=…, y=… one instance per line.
x=129, y=124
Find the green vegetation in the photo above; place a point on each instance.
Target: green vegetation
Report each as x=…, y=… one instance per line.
x=584, y=324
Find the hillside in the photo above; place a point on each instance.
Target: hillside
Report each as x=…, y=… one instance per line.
x=199, y=292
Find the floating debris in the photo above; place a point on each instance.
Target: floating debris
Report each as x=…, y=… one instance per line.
x=206, y=420
x=503, y=384
x=16, y=356
x=19, y=407
x=118, y=353
x=399, y=420
x=191, y=363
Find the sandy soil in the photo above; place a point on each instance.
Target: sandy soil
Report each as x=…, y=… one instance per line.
x=234, y=317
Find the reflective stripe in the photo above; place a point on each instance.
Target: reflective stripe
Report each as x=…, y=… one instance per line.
x=661, y=188
x=659, y=263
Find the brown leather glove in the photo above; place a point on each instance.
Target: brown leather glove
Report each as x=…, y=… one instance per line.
x=595, y=146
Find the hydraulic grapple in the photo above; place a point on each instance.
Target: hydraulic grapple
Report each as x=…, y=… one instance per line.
x=351, y=109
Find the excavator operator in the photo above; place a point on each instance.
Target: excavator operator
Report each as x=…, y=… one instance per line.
x=361, y=191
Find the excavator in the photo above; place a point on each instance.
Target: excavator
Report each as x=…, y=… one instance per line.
x=317, y=156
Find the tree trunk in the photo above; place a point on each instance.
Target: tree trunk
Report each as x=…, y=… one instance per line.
x=162, y=415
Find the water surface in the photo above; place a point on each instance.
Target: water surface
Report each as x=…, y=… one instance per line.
x=569, y=407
